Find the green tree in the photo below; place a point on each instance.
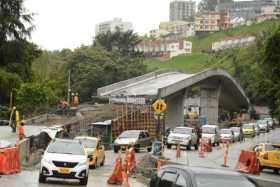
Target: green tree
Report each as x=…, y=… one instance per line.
x=210, y=5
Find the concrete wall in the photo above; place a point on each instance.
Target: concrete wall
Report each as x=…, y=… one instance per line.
x=209, y=105
x=175, y=110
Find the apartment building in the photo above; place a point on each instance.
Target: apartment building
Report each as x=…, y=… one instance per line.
x=212, y=21
x=181, y=28
x=112, y=26
x=182, y=10
x=232, y=42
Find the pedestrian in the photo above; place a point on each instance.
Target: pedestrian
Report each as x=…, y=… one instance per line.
x=21, y=133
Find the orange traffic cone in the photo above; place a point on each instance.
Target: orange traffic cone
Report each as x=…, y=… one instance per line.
x=226, y=147
x=178, y=151
x=201, y=149
x=116, y=177
x=125, y=179
x=158, y=164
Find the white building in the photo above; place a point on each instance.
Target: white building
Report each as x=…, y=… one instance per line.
x=232, y=42
x=181, y=28
x=112, y=26
x=163, y=48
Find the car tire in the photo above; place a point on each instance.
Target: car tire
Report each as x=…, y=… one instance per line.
x=137, y=148
x=103, y=161
x=149, y=149
x=84, y=181
x=94, y=166
x=116, y=149
x=196, y=146
x=275, y=171
x=42, y=179
x=168, y=146
x=189, y=147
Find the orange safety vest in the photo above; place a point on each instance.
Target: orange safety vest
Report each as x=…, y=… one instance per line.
x=21, y=131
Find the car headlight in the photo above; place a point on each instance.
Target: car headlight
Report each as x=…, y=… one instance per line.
x=83, y=163
x=44, y=160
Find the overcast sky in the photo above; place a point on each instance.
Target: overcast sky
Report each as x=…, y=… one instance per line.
x=70, y=23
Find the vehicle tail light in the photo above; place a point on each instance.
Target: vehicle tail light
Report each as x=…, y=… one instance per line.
x=265, y=156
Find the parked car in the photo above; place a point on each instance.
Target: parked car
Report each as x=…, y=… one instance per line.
x=138, y=138
x=270, y=123
x=227, y=135
x=211, y=132
x=268, y=156
x=65, y=159
x=184, y=176
x=185, y=136
x=249, y=130
x=238, y=133
x=4, y=122
x=94, y=150
x=263, y=125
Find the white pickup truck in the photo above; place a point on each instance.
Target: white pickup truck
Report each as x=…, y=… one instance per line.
x=185, y=136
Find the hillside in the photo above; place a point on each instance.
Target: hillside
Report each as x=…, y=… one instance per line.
x=199, y=59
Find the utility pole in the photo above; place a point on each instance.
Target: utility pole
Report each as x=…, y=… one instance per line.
x=69, y=87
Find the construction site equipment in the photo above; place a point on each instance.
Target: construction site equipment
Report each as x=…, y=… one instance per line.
x=9, y=160
x=247, y=162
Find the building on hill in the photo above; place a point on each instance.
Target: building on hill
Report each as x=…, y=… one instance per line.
x=182, y=10
x=268, y=13
x=212, y=22
x=180, y=28
x=164, y=48
x=112, y=26
x=232, y=42
x=245, y=9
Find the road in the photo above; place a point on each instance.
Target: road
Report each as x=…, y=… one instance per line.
x=99, y=176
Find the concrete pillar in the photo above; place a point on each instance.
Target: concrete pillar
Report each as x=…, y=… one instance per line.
x=209, y=104
x=175, y=110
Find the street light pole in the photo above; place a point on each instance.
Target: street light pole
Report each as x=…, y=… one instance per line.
x=69, y=87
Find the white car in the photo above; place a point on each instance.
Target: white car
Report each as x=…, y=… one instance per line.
x=65, y=159
x=185, y=136
x=263, y=125
x=227, y=135
x=211, y=132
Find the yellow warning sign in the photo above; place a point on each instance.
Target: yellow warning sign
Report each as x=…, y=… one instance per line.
x=159, y=106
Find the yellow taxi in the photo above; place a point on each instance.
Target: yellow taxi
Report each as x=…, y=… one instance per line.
x=249, y=130
x=268, y=156
x=94, y=149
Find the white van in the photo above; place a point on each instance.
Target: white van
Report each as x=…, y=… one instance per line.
x=211, y=132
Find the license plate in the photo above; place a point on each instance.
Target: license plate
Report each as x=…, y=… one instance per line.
x=64, y=170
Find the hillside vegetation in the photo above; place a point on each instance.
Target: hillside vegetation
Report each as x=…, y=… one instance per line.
x=200, y=59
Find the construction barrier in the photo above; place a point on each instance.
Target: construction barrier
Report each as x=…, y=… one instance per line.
x=225, y=148
x=116, y=177
x=207, y=145
x=125, y=179
x=247, y=162
x=9, y=160
x=130, y=161
x=178, y=151
x=201, y=149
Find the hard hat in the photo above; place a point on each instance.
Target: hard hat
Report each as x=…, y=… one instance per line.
x=23, y=121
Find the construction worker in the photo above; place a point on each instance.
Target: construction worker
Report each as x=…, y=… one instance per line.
x=21, y=130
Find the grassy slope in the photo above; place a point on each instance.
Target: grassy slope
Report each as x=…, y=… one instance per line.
x=199, y=61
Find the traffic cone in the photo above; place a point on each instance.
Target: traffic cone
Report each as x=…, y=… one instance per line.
x=125, y=179
x=158, y=164
x=226, y=147
x=201, y=149
x=178, y=151
x=116, y=177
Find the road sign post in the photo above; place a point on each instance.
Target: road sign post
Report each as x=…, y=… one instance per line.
x=159, y=107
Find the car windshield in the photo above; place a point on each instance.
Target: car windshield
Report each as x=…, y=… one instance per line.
x=60, y=147
x=261, y=122
x=183, y=130
x=235, y=129
x=129, y=134
x=88, y=143
x=208, y=130
x=270, y=147
x=225, y=131
x=247, y=126
x=204, y=180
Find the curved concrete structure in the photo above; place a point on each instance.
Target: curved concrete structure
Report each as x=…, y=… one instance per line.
x=217, y=88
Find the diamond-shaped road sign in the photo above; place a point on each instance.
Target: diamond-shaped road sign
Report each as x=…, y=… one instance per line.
x=159, y=106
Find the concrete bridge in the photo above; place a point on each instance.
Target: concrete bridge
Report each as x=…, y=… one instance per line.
x=217, y=89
